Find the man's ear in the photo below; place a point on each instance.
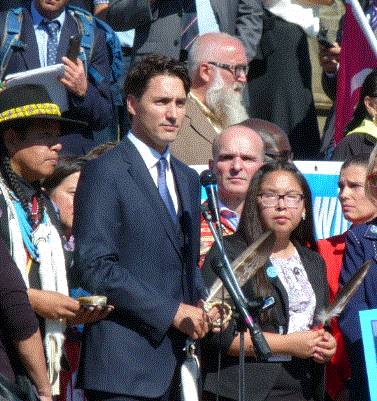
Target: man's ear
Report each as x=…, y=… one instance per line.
x=132, y=104
x=371, y=106
x=11, y=141
x=206, y=72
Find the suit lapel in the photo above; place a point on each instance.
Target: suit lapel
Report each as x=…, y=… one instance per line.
x=315, y=279
x=69, y=28
x=143, y=179
x=199, y=123
x=186, y=220
x=275, y=281
x=182, y=186
x=215, y=6
x=31, y=54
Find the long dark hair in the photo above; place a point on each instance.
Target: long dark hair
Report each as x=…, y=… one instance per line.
x=369, y=88
x=251, y=225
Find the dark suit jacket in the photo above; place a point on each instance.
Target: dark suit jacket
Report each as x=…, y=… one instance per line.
x=158, y=29
x=194, y=141
x=360, y=247
x=128, y=249
x=8, y=4
x=261, y=378
x=95, y=108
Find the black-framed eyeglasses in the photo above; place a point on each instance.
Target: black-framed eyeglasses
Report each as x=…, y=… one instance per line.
x=271, y=199
x=237, y=70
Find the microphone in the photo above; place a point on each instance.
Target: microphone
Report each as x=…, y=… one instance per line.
x=261, y=346
x=208, y=180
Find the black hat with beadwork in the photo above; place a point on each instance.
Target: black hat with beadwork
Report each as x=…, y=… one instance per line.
x=31, y=101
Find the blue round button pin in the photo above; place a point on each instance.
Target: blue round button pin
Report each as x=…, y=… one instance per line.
x=271, y=271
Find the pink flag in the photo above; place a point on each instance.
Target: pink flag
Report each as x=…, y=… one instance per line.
x=356, y=61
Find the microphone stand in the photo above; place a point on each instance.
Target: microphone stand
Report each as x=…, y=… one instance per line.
x=260, y=345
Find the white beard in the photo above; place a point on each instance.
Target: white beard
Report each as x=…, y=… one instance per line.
x=226, y=104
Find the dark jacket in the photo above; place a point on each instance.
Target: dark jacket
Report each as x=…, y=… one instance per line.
x=158, y=27
x=361, y=245
x=128, y=249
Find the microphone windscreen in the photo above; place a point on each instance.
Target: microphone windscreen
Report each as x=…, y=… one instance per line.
x=207, y=177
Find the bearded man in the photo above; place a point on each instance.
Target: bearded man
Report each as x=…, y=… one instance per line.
x=218, y=67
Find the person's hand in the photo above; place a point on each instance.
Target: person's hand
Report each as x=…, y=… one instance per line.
x=302, y=344
x=325, y=348
x=90, y=314
x=191, y=320
x=74, y=78
x=52, y=305
x=217, y=314
x=329, y=58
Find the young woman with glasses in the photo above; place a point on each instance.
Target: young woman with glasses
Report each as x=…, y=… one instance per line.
x=361, y=245
x=279, y=200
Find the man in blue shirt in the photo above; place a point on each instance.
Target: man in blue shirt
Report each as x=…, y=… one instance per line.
x=89, y=100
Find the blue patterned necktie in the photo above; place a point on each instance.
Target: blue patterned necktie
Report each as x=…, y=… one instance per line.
x=190, y=27
x=52, y=28
x=163, y=188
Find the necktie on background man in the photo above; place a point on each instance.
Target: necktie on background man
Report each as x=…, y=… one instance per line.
x=190, y=27
x=163, y=188
x=52, y=28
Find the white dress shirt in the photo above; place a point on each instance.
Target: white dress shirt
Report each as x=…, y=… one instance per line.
x=151, y=158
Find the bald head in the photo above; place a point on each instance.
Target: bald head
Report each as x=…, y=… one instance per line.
x=276, y=140
x=237, y=153
x=218, y=67
x=215, y=46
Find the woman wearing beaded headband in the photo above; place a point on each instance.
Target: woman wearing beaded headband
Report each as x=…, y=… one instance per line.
x=30, y=125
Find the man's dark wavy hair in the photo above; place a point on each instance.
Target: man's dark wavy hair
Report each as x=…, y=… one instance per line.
x=143, y=70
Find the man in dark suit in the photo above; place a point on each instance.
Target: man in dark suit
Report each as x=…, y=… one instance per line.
x=159, y=24
x=89, y=100
x=136, y=227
